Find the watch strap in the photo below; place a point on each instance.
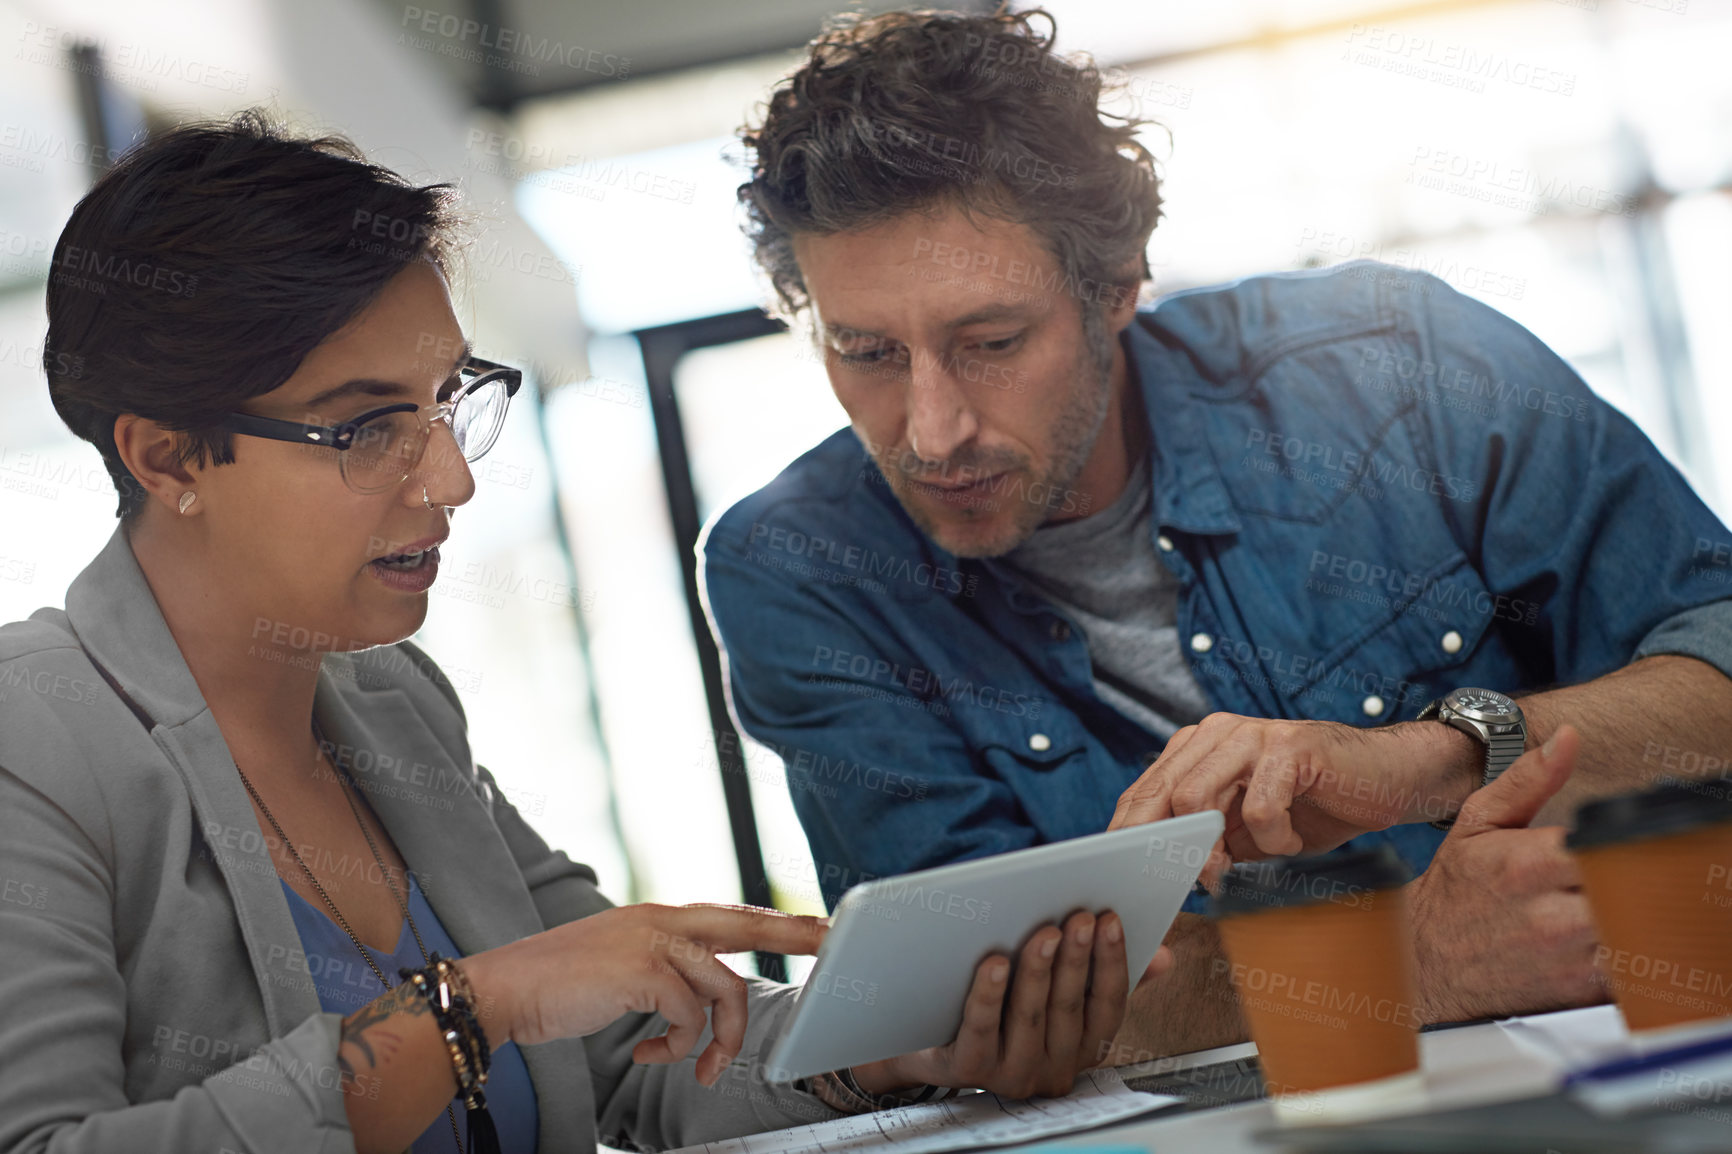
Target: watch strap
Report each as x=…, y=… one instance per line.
x=1501, y=751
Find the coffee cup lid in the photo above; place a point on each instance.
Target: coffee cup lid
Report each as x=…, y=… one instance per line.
x=1342, y=878
x=1648, y=813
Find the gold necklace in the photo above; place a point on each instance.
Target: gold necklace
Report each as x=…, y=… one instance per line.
x=336, y=914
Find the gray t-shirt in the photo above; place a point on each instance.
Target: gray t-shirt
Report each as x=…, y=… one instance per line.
x=1102, y=572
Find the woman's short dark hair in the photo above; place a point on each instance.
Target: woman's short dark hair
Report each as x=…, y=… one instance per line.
x=202, y=268
x=915, y=110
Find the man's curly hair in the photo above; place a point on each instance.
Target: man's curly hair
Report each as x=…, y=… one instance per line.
x=917, y=110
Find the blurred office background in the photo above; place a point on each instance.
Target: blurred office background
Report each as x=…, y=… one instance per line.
x=1567, y=161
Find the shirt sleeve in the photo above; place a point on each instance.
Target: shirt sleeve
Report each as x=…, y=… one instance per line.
x=63, y=998
x=880, y=788
x=1577, y=511
x=1704, y=632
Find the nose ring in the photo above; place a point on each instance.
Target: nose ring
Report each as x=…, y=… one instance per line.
x=424, y=499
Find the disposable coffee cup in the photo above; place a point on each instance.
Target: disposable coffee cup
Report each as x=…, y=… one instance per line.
x=1656, y=867
x=1322, y=961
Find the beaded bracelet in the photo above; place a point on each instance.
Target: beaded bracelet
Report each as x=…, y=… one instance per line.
x=839, y=1090
x=450, y=998
x=888, y=1101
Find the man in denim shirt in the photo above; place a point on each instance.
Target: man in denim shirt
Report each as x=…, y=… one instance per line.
x=1216, y=554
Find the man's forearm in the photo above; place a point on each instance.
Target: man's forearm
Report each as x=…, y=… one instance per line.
x=1663, y=716
x=1660, y=716
x=1192, y=1008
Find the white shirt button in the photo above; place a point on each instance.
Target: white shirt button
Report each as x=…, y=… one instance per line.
x=1373, y=706
x=1202, y=642
x=1451, y=642
x=1165, y=542
x=1040, y=742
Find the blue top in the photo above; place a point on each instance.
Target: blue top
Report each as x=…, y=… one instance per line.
x=346, y=983
x=1371, y=489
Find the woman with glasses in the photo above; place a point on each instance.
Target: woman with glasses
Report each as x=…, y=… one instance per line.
x=256, y=894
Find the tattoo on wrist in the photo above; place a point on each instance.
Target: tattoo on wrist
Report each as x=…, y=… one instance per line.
x=366, y=1028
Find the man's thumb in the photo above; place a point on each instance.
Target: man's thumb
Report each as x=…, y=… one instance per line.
x=1517, y=795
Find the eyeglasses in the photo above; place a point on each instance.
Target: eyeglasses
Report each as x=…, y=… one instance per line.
x=378, y=450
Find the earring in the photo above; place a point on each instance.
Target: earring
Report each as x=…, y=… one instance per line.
x=424, y=499
x=186, y=500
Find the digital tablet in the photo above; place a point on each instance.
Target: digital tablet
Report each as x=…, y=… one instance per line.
x=895, y=968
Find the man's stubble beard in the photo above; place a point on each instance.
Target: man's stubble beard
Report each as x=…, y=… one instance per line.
x=1074, y=436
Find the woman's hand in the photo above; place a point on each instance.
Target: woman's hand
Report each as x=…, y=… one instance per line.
x=579, y=977
x=1050, y=1025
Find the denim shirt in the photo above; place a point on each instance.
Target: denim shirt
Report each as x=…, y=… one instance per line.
x=1372, y=489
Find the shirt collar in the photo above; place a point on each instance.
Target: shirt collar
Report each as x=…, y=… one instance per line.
x=1189, y=493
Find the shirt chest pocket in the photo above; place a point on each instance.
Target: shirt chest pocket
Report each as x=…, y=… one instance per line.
x=1038, y=745
x=1062, y=778
x=1417, y=650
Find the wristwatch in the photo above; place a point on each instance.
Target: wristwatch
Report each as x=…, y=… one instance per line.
x=1488, y=715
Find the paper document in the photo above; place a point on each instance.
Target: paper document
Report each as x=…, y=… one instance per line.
x=964, y=1123
x=1568, y=1039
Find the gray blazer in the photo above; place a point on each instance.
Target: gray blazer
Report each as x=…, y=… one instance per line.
x=153, y=992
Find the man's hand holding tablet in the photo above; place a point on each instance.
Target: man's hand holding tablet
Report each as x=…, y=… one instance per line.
x=915, y=982
x=1049, y=1025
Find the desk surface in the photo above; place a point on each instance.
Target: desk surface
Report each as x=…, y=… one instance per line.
x=1471, y=1065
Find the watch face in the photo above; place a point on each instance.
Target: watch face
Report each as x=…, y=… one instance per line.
x=1485, y=705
